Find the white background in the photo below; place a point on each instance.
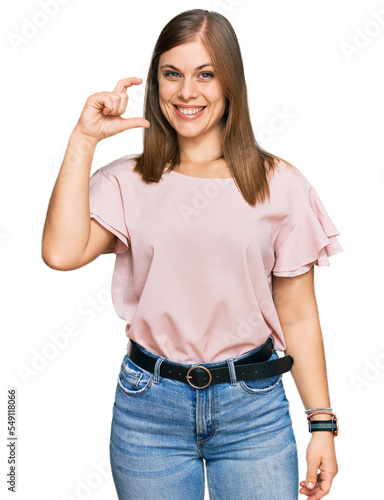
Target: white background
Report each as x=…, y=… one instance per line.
x=319, y=61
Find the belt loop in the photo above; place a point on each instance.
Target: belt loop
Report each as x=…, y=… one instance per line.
x=273, y=343
x=129, y=347
x=232, y=372
x=156, y=370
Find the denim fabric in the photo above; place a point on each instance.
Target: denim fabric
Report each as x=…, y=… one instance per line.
x=163, y=429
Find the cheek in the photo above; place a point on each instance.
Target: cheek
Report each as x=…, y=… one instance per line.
x=217, y=97
x=162, y=94
x=165, y=106
x=219, y=106
x=165, y=91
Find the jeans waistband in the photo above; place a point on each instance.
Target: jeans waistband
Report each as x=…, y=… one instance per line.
x=240, y=357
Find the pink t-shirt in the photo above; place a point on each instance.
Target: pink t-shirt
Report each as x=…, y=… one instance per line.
x=194, y=261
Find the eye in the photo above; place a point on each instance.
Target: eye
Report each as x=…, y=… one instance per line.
x=207, y=73
x=169, y=73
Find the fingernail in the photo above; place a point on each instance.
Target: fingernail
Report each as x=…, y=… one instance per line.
x=310, y=485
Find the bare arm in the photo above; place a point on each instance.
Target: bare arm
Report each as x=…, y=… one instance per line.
x=296, y=306
x=71, y=238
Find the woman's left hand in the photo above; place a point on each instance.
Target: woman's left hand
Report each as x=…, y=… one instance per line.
x=320, y=455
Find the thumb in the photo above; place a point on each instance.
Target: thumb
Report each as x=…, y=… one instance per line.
x=127, y=123
x=311, y=476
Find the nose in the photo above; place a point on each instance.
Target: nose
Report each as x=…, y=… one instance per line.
x=187, y=89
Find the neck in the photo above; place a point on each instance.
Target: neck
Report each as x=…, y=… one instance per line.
x=201, y=149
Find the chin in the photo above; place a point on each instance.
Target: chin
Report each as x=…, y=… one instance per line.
x=190, y=134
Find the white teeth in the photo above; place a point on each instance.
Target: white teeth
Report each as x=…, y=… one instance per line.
x=190, y=111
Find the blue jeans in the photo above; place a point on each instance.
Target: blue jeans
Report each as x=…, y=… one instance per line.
x=162, y=429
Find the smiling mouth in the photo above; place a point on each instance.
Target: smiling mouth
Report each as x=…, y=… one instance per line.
x=190, y=111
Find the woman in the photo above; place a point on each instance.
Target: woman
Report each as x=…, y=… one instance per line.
x=215, y=242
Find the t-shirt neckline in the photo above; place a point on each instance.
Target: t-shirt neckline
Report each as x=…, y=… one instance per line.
x=202, y=178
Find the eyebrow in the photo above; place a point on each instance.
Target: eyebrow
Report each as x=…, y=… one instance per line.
x=177, y=69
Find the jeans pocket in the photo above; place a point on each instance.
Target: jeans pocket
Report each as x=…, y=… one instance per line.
x=262, y=385
x=133, y=380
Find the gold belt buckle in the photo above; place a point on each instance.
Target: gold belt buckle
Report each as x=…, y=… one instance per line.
x=190, y=376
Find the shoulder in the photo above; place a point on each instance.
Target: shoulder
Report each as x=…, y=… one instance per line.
x=289, y=182
x=117, y=172
x=120, y=166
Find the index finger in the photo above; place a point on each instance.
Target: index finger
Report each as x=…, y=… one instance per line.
x=123, y=84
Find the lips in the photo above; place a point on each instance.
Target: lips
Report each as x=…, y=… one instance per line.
x=189, y=115
x=189, y=107
x=190, y=110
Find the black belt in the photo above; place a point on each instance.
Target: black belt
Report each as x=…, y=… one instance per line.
x=254, y=366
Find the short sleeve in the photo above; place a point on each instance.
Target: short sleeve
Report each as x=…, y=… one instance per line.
x=106, y=206
x=311, y=241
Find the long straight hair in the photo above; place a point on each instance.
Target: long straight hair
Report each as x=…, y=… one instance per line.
x=250, y=164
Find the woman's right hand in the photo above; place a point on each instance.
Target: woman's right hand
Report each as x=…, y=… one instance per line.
x=101, y=118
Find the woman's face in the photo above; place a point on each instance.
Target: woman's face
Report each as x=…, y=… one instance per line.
x=187, y=80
